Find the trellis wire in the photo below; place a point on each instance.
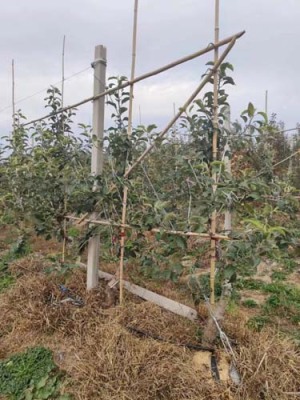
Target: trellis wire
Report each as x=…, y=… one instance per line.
x=43, y=90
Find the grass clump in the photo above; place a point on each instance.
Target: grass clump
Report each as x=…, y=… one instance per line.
x=282, y=308
x=284, y=301
x=258, y=322
x=250, y=303
x=31, y=375
x=19, y=249
x=279, y=275
x=251, y=284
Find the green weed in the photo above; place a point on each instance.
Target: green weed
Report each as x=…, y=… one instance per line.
x=279, y=275
x=258, y=322
x=18, y=249
x=31, y=375
x=284, y=301
x=249, y=303
x=251, y=284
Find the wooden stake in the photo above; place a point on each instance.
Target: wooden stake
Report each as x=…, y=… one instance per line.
x=129, y=132
x=215, y=155
x=97, y=156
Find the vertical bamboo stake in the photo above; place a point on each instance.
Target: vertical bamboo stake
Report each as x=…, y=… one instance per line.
x=99, y=66
x=174, y=137
x=129, y=131
x=63, y=71
x=13, y=95
x=214, y=154
x=63, y=129
x=227, y=164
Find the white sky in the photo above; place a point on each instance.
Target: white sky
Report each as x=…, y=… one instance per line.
x=266, y=57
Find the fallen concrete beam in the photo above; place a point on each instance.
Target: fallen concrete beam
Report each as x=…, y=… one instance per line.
x=161, y=301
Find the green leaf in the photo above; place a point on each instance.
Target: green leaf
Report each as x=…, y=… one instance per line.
x=181, y=242
x=251, y=110
x=28, y=394
x=228, y=81
x=160, y=205
x=226, y=65
x=278, y=229
x=264, y=115
x=257, y=224
x=41, y=383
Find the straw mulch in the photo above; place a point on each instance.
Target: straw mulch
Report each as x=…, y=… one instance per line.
x=104, y=360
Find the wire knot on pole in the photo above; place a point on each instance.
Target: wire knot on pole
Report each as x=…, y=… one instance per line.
x=98, y=60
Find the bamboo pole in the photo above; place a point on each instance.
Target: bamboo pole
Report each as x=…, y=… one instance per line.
x=285, y=159
x=195, y=234
x=182, y=109
x=227, y=164
x=13, y=95
x=154, y=230
x=279, y=162
x=63, y=71
x=129, y=133
x=215, y=155
x=157, y=71
x=63, y=129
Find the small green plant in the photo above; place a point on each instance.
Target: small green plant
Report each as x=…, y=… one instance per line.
x=31, y=375
x=59, y=267
x=282, y=305
x=6, y=280
x=258, y=322
x=18, y=249
x=289, y=264
x=252, y=284
x=284, y=301
x=250, y=303
x=279, y=275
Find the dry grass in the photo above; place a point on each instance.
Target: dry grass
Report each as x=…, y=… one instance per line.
x=104, y=360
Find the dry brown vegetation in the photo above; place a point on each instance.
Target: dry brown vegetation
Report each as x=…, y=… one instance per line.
x=105, y=360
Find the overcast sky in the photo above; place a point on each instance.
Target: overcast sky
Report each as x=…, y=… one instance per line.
x=266, y=57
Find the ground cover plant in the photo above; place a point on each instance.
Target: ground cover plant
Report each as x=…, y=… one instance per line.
x=31, y=375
